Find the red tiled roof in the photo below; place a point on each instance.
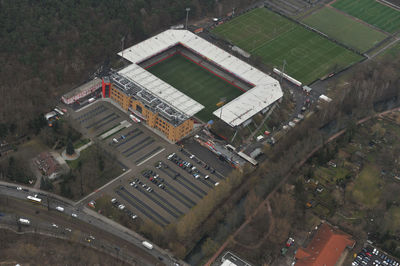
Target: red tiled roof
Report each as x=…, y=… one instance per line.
x=47, y=163
x=325, y=248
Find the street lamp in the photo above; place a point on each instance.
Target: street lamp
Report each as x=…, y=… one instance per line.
x=187, y=16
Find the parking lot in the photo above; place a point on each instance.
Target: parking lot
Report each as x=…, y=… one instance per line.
x=159, y=187
x=372, y=256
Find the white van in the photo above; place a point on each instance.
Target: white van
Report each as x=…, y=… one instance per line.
x=24, y=221
x=60, y=209
x=91, y=100
x=115, y=140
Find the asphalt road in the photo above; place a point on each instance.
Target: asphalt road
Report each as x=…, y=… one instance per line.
x=86, y=222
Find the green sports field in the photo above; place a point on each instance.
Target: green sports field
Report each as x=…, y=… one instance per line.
x=345, y=29
x=372, y=12
x=274, y=39
x=196, y=82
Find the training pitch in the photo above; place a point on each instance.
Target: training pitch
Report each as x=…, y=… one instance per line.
x=275, y=39
x=345, y=29
x=372, y=12
x=196, y=82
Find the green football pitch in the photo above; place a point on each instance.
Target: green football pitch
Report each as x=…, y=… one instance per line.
x=345, y=29
x=276, y=39
x=372, y=12
x=196, y=82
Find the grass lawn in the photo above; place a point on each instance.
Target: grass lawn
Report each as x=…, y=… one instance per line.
x=346, y=30
x=274, y=39
x=372, y=12
x=195, y=82
x=331, y=174
x=80, y=143
x=392, y=220
x=366, y=189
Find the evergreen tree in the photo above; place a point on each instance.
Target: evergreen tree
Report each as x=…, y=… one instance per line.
x=70, y=148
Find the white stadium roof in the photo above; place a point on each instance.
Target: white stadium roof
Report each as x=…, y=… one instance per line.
x=162, y=90
x=266, y=90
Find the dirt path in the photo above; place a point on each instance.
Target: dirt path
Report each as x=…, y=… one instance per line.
x=284, y=180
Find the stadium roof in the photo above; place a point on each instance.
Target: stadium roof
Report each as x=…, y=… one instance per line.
x=266, y=90
x=162, y=90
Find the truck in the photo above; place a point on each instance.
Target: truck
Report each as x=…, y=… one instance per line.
x=24, y=221
x=147, y=245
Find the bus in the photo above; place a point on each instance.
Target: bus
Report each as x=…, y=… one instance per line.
x=147, y=245
x=34, y=199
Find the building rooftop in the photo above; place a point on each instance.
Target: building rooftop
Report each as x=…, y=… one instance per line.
x=266, y=90
x=325, y=248
x=95, y=83
x=230, y=259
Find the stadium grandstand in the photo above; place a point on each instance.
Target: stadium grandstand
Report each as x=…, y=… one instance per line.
x=167, y=109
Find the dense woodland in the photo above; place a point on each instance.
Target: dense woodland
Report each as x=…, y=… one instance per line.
x=49, y=46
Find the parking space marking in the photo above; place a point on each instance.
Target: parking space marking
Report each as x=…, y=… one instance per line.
x=168, y=186
x=201, y=163
x=187, y=179
x=129, y=139
x=150, y=196
x=98, y=108
x=139, y=208
x=156, y=151
x=183, y=184
x=107, y=122
x=86, y=106
x=100, y=120
x=169, y=204
x=144, y=205
x=205, y=182
x=91, y=114
x=182, y=177
x=141, y=146
x=135, y=145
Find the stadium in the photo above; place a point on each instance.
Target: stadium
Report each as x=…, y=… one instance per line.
x=177, y=77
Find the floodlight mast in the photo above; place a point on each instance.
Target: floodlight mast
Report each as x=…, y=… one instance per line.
x=283, y=69
x=122, y=44
x=187, y=16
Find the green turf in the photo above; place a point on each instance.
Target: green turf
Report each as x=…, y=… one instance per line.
x=345, y=29
x=366, y=189
x=274, y=39
x=196, y=82
x=372, y=12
